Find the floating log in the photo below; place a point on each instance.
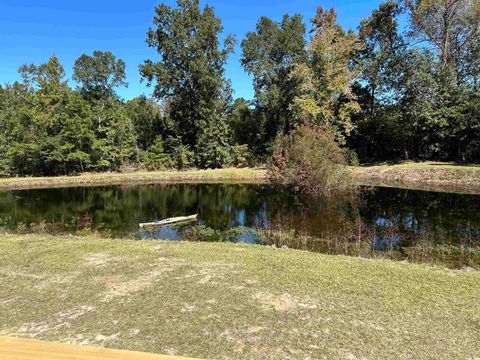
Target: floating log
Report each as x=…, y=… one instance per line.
x=170, y=221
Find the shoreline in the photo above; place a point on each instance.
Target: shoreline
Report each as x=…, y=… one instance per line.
x=437, y=177
x=243, y=175
x=428, y=176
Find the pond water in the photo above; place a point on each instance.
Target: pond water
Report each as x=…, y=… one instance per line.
x=385, y=218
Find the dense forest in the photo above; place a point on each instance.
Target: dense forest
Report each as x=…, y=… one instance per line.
x=404, y=85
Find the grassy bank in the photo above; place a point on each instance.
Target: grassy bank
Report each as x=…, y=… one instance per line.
x=234, y=301
x=421, y=176
x=218, y=175
x=433, y=176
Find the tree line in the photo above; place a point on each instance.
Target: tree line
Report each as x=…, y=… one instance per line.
x=403, y=85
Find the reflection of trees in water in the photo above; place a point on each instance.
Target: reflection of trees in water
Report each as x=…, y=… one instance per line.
x=320, y=216
x=122, y=208
x=392, y=215
x=390, y=223
x=388, y=218
x=442, y=217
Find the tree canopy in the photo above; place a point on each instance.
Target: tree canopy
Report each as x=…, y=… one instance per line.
x=189, y=76
x=403, y=85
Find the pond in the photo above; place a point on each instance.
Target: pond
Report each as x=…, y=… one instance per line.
x=438, y=226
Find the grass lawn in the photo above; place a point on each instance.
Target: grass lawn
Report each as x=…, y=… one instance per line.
x=430, y=165
x=435, y=176
x=217, y=175
x=221, y=301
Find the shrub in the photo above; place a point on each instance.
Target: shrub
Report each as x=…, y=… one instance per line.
x=212, y=149
x=183, y=157
x=310, y=161
x=201, y=233
x=353, y=158
x=240, y=155
x=155, y=158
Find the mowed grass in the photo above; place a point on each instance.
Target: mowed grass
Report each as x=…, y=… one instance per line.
x=226, y=301
x=216, y=175
x=433, y=176
x=430, y=165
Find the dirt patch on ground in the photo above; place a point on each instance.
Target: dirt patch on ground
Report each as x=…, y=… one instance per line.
x=99, y=259
x=55, y=281
x=118, y=286
x=211, y=273
x=95, y=340
x=282, y=303
x=253, y=339
x=201, y=274
x=59, y=320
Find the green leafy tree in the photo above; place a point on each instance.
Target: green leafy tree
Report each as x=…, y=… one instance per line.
x=99, y=74
x=247, y=126
x=156, y=158
x=8, y=119
x=470, y=56
x=325, y=79
x=114, y=141
x=148, y=120
x=380, y=60
x=451, y=27
x=240, y=155
x=465, y=130
x=54, y=135
x=381, y=132
x=213, y=149
x=190, y=73
x=77, y=135
x=269, y=54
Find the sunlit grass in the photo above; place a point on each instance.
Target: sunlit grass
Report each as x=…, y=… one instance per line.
x=218, y=300
x=433, y=176
x=431, y=165
x=230, y=174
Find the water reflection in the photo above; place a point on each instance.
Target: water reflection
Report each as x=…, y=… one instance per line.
x=387, y=218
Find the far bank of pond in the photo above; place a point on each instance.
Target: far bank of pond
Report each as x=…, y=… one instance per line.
x=432, y=176
x=236, y=175
x=418, y=226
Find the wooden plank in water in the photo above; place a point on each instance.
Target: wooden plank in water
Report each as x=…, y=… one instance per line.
x=170, y=221
x=23, y=349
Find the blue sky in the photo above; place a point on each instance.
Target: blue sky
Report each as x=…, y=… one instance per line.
x=32, y=30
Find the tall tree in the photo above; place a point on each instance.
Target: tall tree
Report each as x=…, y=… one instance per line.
x=190, y=72
x=325, y=96
x=470, y=60
x=383, y=50
x=147, y=119
x=269, y=54
x=380, y=130
x=451, y=29
x=443, y=23
x=55, y=133
x=99, y=74
x=9, y=121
